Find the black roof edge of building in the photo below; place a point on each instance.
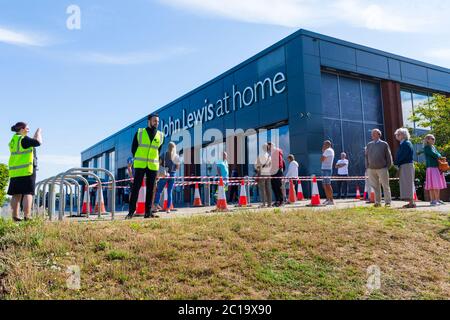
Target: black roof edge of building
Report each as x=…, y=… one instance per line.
x=267, y=50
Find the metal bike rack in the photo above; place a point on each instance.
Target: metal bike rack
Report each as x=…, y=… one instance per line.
x=77, y=196
x=84, y=172
x=97, y=178
x=68, y=184
x=80, y=197
x=52, y=183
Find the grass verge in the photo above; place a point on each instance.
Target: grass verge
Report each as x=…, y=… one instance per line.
x=301, y=254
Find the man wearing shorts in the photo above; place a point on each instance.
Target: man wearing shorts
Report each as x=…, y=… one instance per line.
x=327, y=160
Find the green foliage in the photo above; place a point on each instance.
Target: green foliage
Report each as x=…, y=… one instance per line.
x=394, y=184
x=4, y=178
x=116, y=255
x=434, y=114
x=421, y=171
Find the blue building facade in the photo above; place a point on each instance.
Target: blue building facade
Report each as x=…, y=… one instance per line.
x=304, y=89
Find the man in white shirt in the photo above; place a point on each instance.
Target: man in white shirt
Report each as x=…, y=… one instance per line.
x=327, y=160
x=292, y=172
x=342, y=166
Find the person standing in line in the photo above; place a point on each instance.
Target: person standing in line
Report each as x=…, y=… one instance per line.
x=170, y=164
x=378, y=160
x=234, y=190
x=222, y=171
x=292, y=172
x=435, y=180
x=404, y=161
x=327, y=160
x=146, y=148
x=342, y=171
x=22, y=169
x=277, y=170
x=223, y=168
x=262, y=166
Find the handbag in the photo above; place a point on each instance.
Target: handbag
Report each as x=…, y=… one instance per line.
x=443, y=164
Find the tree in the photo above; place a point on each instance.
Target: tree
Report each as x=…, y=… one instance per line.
x=434, y=114
x=4, y=178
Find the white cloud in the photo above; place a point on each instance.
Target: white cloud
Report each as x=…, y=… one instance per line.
x=442, y=55
x=20, y=38
x=132, y=58
x=383, y=15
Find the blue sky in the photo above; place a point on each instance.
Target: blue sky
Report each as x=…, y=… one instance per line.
x=130, y=58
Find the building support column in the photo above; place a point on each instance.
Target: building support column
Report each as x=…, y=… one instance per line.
x=393, y=116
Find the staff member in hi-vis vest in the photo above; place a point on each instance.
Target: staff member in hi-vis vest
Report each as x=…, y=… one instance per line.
x=145, y=149
x=22, y=169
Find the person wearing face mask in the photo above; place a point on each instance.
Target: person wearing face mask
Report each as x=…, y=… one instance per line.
x=22, y=169
x=146, y=148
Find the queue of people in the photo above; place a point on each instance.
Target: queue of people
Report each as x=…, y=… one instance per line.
x=270, y=169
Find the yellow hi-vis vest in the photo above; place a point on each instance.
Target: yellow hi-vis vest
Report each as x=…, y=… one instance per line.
x=147, y=154
x=21, y=160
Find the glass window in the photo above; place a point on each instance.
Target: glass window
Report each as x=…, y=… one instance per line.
x=278, y=136
x=330, y=95
x=209, y=156
x=373, y=110
x=350, y=94
x=333, y=133
x=407, y=108
x=354, y=145
x=410, y=100
x=351, y=132
x=112, y=162
x=418, y=99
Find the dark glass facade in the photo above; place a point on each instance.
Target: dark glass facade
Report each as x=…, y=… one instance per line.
x=309, y=86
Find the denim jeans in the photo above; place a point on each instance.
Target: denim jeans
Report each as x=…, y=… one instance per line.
x=342, y=184
x=160, y=188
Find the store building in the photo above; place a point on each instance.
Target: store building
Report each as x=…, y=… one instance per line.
x=308, y=87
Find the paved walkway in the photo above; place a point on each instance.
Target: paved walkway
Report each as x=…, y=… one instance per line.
x=340, y=204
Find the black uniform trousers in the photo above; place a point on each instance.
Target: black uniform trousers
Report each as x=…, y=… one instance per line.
x=150, y=186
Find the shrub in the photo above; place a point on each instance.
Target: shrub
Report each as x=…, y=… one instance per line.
x=4, y=178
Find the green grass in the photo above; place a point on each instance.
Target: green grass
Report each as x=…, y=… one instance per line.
x=301, y=254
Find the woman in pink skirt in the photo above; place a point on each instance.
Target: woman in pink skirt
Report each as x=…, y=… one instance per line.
x=435, y=181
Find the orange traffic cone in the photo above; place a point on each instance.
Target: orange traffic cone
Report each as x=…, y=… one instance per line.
x=243, y=196
x=358, y=193
x=415, y=195
x=315, y=195
x=86, y=206
x=166, y=199
x=372, y=195
x=222, y=200
x=292, y=197
x=300, y=196
x=197, y=198
x=100, y=203
x=140, y=208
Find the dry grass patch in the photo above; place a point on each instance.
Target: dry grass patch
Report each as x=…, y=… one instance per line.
x=247, y=255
